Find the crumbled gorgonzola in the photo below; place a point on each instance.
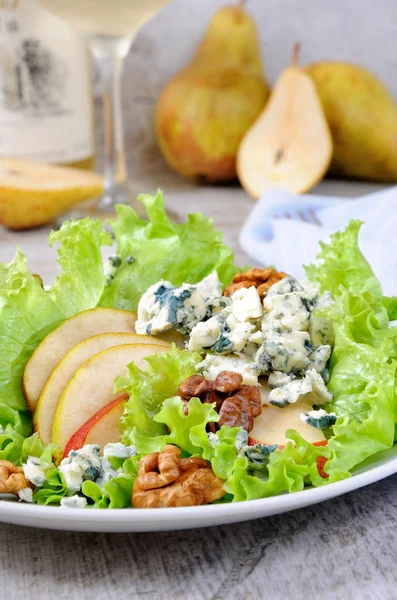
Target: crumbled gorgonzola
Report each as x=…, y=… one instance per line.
x=73, y=502
x=205, y=334
x=164, y=306
x=229, y=329
x=246, y=304
x=311, y=387
x=34, y=471
x=81, y=465
x=110, y=268
x=118, y=450
x=26, y=495
x=211, y=289
x=320, y=357
x=213, y=364
x=278, y=379
x=287, y=352
x=213, y=439
x=319, y=419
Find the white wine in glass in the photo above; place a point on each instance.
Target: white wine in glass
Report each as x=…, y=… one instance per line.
x=109, y=27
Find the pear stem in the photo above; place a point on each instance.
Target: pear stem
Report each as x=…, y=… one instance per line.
x=295, y=54
x=240, y=8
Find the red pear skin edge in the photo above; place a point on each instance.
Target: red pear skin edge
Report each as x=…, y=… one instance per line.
x=78, y=438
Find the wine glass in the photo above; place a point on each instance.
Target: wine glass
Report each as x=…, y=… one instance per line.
x=109, y=27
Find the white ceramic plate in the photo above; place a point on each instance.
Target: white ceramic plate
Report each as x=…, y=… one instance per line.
x=163, y=519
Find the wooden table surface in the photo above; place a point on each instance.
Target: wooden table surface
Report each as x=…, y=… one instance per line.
x=342, y=549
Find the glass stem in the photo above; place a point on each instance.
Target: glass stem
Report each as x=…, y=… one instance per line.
x=116, y=187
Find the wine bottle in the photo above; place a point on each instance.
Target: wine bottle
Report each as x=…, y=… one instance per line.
x=45, y=87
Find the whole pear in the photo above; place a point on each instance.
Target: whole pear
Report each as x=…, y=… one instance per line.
x=289, y=146
x=362, y=117
x=205, y=110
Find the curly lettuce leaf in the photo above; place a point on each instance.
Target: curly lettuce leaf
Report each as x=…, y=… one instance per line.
x=82, y=280
x=287, y=470
x=27, y=315
x=159, y=249
x=341, y=263
x=53, y=489
x=362, y=368
x=147, y=391
x=363, y=383
x=116, y=493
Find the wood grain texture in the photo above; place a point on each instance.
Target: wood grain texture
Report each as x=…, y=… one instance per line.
x=343, y=549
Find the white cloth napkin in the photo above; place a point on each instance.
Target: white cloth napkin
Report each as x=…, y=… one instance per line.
x=290, y=243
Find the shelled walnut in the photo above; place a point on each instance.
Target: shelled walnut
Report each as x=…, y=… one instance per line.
x=261, y=279
x=236, y=404
x=165, y=480
x=12, y=478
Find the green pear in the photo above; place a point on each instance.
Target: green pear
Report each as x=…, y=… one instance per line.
x=205, y=110
x=362, y=117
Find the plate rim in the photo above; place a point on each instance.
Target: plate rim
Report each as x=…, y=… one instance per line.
x=184, y=516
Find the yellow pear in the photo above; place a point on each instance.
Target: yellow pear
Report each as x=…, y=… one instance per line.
x=205, y=110
x=362, y=116
x=289, y=146
x=32, y=194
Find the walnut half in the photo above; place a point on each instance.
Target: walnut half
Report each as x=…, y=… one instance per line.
x=165, y=480
x=261, y=279
x=12, y=479
x=237, y=404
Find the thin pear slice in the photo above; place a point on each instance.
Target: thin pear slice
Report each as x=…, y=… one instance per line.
x=107, y=429
x=289, y=146
x=101, y=429
x=57, y=344
x=92, y=387
x=271, y=425
x=45, y=409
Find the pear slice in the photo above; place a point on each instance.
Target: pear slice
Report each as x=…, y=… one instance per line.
x=46, y=406
x=289, y=146
x=271, y=425
x=101, y=429
x=92, y=387
x=57, y=344
x=32, y=193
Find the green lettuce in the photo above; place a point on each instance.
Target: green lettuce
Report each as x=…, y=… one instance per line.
x=82, y=280
x=159, y=249
x=147, y=391
x=341, y=263
x=29, y=313
x=116, y=493
x=148, y=250
x=362, y=368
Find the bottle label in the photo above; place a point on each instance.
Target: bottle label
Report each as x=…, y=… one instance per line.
x=45, y=88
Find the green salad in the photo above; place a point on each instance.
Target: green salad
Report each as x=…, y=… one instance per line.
x=253, y=384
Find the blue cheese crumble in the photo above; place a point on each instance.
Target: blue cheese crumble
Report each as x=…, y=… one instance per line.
x=287, y=352
x=81, y=465
x=311, y=387
x=228, y=332
x=213, y=364
x=73, y=502
x=319, y=419
x=34, y=471
x=118, y=450
x=163, y=306
x=26, y=495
